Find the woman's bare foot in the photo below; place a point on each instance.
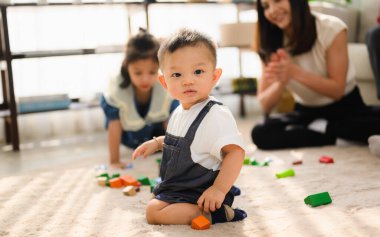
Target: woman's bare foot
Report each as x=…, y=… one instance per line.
x=374, y=144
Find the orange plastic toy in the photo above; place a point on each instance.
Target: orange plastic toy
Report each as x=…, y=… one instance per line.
x=116, y=183
x=129, y=181
x=200, y=223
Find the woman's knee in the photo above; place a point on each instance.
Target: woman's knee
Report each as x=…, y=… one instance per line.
x=260, y=135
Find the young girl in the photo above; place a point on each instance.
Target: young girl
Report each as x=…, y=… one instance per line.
x=306, y=53
x=202, y=148
x=135, y=105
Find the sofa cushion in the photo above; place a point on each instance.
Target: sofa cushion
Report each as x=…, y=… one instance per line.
x=358, y=56
x=347, y=14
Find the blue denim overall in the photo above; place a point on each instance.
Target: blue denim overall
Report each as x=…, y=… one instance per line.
x=184, y=181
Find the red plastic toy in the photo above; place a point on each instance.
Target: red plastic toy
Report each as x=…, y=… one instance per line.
x=326, y=159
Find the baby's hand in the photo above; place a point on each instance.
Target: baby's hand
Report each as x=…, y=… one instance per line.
x=211, y=199
x=145, y=149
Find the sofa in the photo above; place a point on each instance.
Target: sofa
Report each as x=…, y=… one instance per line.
x=358, y=56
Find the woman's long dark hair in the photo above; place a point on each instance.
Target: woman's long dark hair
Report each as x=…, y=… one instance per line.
x=141, y=46
x=303, y=35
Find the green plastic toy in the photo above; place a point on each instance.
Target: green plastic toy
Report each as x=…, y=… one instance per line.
x=286, y=173
x=152, y=184
x=255, y=163
x=247, y=161
x=103, y=175
x=266, y=163
x=116, y=175
x=318, y=199
x=144, y=180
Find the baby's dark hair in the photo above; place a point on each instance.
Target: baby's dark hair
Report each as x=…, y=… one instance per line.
x=141, y=46
x=183, y=38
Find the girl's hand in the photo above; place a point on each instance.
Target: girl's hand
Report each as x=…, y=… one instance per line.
x=211, y=199
x=145, y=149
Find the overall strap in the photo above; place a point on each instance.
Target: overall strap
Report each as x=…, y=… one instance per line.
x=194, y=126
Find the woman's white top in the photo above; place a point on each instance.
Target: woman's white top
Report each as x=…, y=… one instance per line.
x=314, y=61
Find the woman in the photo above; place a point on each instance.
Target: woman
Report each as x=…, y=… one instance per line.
x=306, y=53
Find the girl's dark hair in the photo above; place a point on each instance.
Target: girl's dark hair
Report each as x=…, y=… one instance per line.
x=303, y=35
x=141, y=46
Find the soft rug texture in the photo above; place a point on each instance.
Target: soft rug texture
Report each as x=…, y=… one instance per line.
x=68, y=201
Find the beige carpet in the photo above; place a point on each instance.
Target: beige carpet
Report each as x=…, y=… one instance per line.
x=68, y=202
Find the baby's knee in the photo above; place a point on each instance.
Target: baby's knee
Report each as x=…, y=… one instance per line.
x=150, y=219
x=152, y=211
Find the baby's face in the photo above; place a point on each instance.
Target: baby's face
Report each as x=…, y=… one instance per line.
x=189, y=74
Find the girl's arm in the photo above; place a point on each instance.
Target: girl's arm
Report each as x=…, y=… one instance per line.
x=114, y=139
x=149, y=147
x=333, y=85
x=213, y=197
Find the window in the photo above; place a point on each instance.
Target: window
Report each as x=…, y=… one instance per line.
x=70, y=27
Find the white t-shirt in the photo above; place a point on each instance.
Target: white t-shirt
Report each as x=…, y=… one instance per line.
x=217, y=129
x=328, y=27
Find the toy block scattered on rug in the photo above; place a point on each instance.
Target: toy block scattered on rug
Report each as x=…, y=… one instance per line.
x=297, y=162
x=129, y=191
x=200, y=223
x=255, y=163
x=105, y=175
x=152, y=184
x=116, y=183
x=326, y=160
x=286, y=173
x=266, y=163
x=318, y=199
x=144, y=180
x=129, y=180
x=116, y=175
x=102, y=181
x=247, y=161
